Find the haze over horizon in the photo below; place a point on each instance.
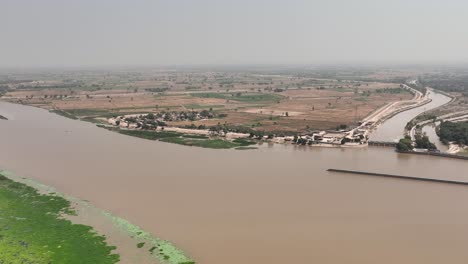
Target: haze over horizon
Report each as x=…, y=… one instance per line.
x=153, y=32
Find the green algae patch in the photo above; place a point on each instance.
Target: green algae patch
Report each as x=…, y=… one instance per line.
x=33, y=231
x=140, y=245
x=162, y=250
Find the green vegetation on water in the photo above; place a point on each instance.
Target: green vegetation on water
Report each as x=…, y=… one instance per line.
x=245, y=148
x=161, y=249
x=152, y=135
x=32, y=230
x=64, y=114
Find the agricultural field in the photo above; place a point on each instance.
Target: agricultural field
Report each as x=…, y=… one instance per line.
x=269, y=100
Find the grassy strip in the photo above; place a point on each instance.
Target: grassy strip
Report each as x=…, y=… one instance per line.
x=64, y=114
x=32, y=231
x=241, y=97
x=163, y=250
x=86, y=112
x=208, y=143
x=186, y=139
x=195, y=136
x=198, y=106
x=150, y=134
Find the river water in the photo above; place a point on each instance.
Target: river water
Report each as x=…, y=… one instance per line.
x=277, y=204
x=393, y=129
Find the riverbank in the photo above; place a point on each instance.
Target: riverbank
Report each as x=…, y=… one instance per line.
x=436, y=154
x=91, y=228
x=187, y=139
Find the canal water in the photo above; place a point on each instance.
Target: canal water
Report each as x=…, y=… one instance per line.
x=274, y=205
x=393, y=129
x=430, y=131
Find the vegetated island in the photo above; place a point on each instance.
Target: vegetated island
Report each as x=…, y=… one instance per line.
x=32, y=229
x=422, y=142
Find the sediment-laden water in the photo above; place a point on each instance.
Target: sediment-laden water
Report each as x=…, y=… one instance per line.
x=277, y=204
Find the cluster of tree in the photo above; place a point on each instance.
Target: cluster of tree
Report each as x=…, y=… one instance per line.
x=391, y=90
x=146, y=121
x=59, y=96
x=302, y=141
x=193, y=126
x=419, y=119
x=405, y=144
x=157, y=90
x=422, y=142
x=456, y=132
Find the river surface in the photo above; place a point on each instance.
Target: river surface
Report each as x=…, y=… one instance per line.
x=274, y=205
x=393, y=129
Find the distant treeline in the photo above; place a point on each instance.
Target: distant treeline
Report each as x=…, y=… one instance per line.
x=14, y=81
x=448, y=83
x=157, y=90
x=57, y=86
x=453, y=132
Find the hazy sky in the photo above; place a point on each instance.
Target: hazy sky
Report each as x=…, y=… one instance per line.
x=155, y=32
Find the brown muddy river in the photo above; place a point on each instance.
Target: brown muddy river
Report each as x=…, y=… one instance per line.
x=272, y=205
